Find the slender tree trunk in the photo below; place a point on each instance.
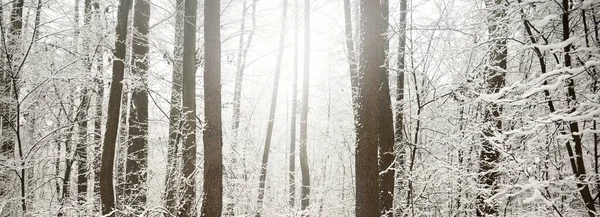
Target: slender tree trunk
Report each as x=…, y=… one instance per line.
x=175, y=123
x=573, y=125
x=386, y=129
x=399, y=124
x=371, y=60
x=114, y=109
x=351, y=55
x=137, y=150
x=188, y=200
x=292, y=170
x=267, y=148
x=489, y=156
x=212, y=201
x=9, y=108
x=305, y=193
x=231, y=174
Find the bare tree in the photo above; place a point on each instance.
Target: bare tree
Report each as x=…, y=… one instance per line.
x=212, y=201
x=293, y=123
x=371, y=59
x=305, y=193
x=386, y=128
x=267, y=148
x=114, y=108
x=399, y=124
x=137, y=150
x=173, y=159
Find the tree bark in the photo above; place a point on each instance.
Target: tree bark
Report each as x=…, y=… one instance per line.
x=351, y=55
x=305, y=193
x=114, y=108
x=399, y=124
x=267, y=148
x=371, y=58
x=188, y=200
x=386, y=129
x=489, y=155
x=175, y=122
x=137, y=150
x=212, y=201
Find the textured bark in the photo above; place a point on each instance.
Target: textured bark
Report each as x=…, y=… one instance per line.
x=188, y=200
x=371, y=60
x=212, y=201
x=267, y=148
x=305, y=193
x=173, y=153
x=292, y=170
x=398, y=112
x=137, y=150
x=489, y=155
x=386, y=129
x=107, y=194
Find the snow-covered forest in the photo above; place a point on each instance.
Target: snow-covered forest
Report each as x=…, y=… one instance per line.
x=299, y=108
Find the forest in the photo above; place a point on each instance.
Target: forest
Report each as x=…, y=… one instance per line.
x=367, y=108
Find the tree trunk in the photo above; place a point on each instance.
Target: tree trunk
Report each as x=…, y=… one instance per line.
x=573, y=125
x=212, y=202
x=305, y=193
x=267, y=148
x=137, y=150
x=188, y=200
x=386, y=130
x=114, y=108
x=175, y=123
x=9, y=107
x=489, y=156
x=399, y=124
x=371, y=58
x=292, y=170
x=351, y=55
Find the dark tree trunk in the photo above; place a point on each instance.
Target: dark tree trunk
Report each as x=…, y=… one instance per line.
x=580, y=173
x=386, y=130
x=399, y=124
x=489, y=155
x=351, y=55
x=305, y=193
x=267, y=148
x=175, y=123
x=188, y=200
x=137, y=150
x=212, y=201
x=114, y=109
x=371, y=60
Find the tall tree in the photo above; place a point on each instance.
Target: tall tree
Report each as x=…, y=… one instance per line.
x=305, y=193
x=9, y=90
x=173, y=159
x=371, y=59
x=495, y=79
x=137, y=150
x=580, y=171
x=188, y=200
x=212, y=201
x=267, y=148
x=398, y=112
x=386, y=128
x=293, y=123
x=107, y=190
x=351, y=54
